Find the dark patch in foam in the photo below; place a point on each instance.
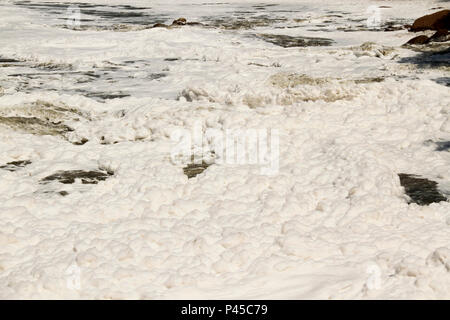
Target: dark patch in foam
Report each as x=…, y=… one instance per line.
x=443, y=146
x=69, y=176
x=444, y=81
x=242, y=20
x=156, y=76
x=8, y=60
x=106, y=95
x=15, y=165
x=420, y=190
x=194, y=169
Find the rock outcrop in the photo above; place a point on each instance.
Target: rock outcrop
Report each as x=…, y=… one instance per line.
x=439, y=21
x=177, y=23
x=436, y=21
x=419, y=40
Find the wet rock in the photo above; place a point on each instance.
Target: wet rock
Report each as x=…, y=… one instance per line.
x=160, y=25
x=244, y=21
x=392, y=27
x=370, y=80
x=423, y=39
x=156, y=76
x=35, y=125
x=194, y=24
x=105, y=141
x=421, y=191
x=44, y=110
x=69, y=177
x=193, y=169
x=62, y=193
x=440, y=36
x=289, y=41
x=179, y=22
x=15, y=165
x=81, y=142
x=6, y=60
x=435, y=21
x=42, y=118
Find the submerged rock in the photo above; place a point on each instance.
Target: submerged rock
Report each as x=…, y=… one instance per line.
x=43, y=118
x=244, y=22
x=160, y=25
x=438, y=36
x=15, y=165
x=194, y=23
x=69, y=177
x=102, y=96
x=45, y=111
x=370, y=80
x=435, y=21
x=289, y=41
x=8, y=60
x=419, y=40
x=421, y=191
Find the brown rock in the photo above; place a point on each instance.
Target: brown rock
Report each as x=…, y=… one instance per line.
x=435, y=21
x=179, y=22
x=440, y=36
x=419, y=40
x=160, y=25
